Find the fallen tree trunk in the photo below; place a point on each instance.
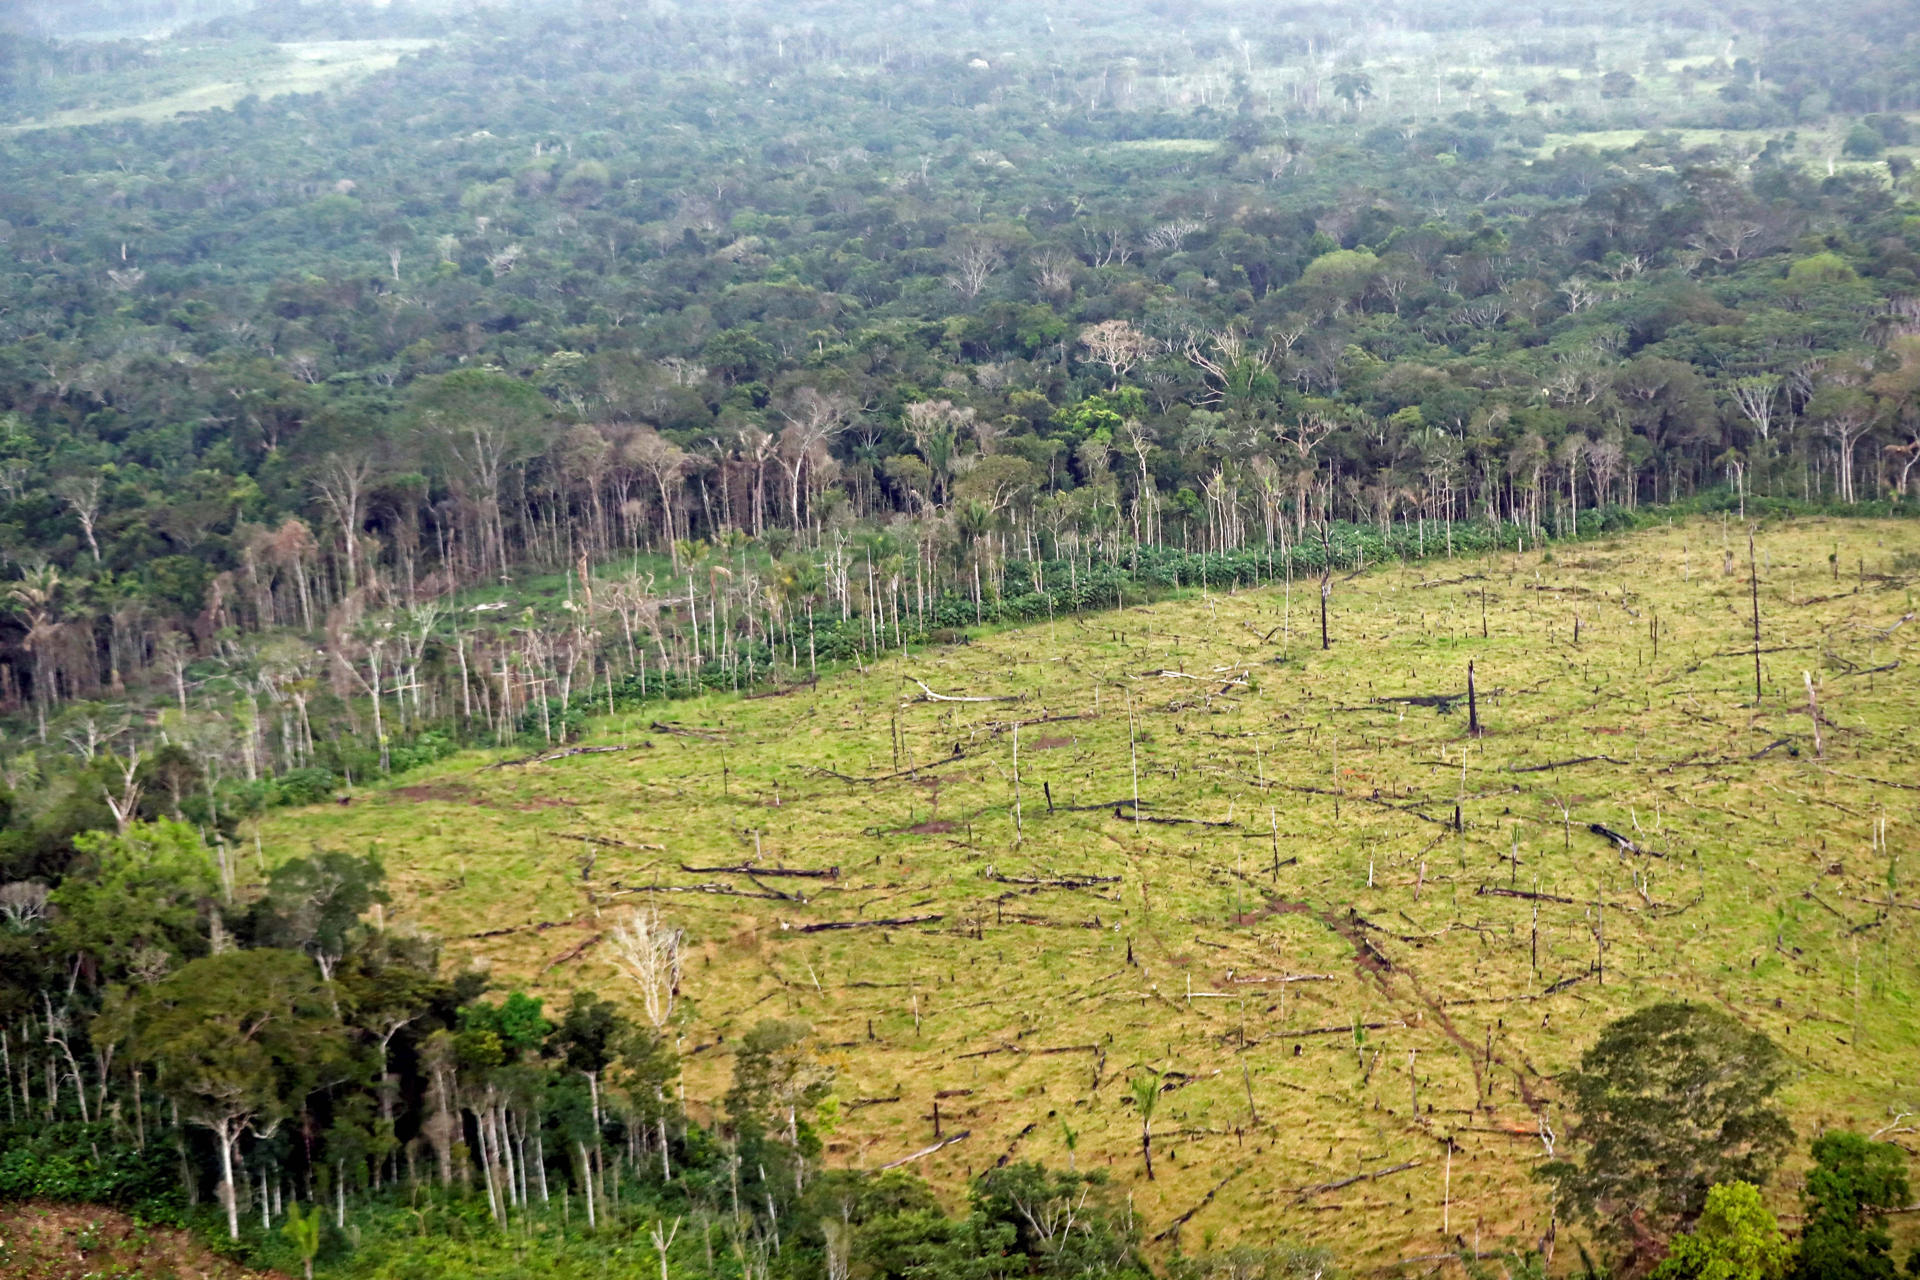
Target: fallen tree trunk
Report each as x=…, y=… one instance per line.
x=720, y=890
x=1561, y=764
x=931, y=696
x=1173, y=1228
x=572, y=953
x=609, y=841
x=748, y=869
x=1057, y=882
x=545, y=756
x=1564, y=983
x=913, y=772
x=540, y=927
x=1007, y=1155
x=1001, y=726
x=1625, y=844
x=781, y=692
x=1330, y=1031
x=896, y=922
x=1495, y=891
x=1431, y=699
x=1305, y=1192
x=773, y=892
x=1285, y=977
x=927, y=1151
x=1138, y=816
x=1094, y=807
x=704, y=735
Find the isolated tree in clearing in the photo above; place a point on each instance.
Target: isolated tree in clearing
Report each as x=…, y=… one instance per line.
x=1670, y=1101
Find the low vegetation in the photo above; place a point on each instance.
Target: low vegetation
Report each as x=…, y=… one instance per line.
x=1357, y=940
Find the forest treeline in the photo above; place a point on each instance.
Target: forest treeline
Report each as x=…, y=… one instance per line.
x=591, y=355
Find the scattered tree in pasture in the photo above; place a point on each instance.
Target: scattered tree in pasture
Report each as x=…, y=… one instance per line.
x=1668, y=1102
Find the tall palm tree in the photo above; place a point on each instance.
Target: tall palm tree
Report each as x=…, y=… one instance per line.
x=1146, y=1096
x=33, y=598
x=1354, y=87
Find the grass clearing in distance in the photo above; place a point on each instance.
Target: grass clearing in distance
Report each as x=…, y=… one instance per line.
x=1344, y=984
x=296, y=67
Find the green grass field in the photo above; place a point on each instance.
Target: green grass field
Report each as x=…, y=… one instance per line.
x=1363, y=1015
x=188, y=78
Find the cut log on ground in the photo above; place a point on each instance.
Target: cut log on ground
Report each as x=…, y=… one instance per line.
x=781, y=692
x=1285, y=977
x=895, y=923
x=914, y=772
x=1497, y=891
x=609, y=841
x=1173, y=1228
x=1007, y=1155
x=1306, y=1192
x=1057, y=882
x=924, y=1152
x=1346, y=1027
x=929, y=695
x=539, y=927
x=571, y=953
x=1625, y=844
x=705, y=735
x=1561, y=764
x=719, y=890
x=545, y=756
x=1137, y=816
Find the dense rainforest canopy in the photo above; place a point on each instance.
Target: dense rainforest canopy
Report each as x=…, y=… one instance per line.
x=826, y=315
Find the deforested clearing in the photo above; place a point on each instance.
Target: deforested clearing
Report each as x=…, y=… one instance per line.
x=1358, y=937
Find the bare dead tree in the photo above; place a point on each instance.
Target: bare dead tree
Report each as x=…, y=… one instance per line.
x=1756, y=398
x=82, y=493
x=1107, y=246
x=1813, y=715
x=1220, y=355
x=649, y=952
x=839, y=1241
x=1117, y=345
x=974, y=264
x=1326, y=580
x=1053, y=272
x=125, y=802
x=1171, y=236
x=1753, y=571
x=813, y=417
x=23, y=902
x=663, y=462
